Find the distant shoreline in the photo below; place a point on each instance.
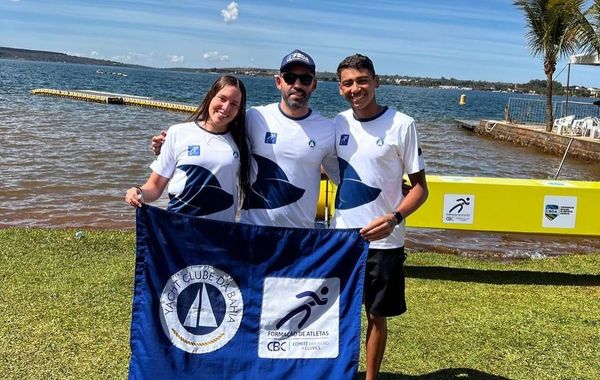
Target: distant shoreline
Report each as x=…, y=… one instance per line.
x=532, y=87
x=49, y=56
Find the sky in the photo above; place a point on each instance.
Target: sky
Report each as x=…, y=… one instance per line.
x=462, y=39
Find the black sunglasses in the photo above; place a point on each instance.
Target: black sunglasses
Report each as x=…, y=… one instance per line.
x=290, y=78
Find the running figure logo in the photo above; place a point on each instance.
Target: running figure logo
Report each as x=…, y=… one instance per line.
x=306, y=308
x=460, y=203
x=461, y=208
x=300, y=318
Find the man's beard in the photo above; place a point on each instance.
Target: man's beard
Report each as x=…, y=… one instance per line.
x=296, y=103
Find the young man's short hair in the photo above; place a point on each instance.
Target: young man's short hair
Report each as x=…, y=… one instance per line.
x=358, y=62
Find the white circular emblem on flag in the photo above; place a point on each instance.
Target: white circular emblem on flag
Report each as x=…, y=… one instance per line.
x=201, y=309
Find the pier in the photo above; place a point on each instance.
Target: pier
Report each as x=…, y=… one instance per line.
x=467, y=124
x=584, y=148
x=112, y=98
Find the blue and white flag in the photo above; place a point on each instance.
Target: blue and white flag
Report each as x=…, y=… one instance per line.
x=217, y=300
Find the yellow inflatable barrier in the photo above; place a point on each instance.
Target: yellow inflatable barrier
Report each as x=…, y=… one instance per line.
x=503, y=205
x=115, y=99
x=326, y=206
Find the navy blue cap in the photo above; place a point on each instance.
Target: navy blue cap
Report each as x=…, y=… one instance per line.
x=297, y=57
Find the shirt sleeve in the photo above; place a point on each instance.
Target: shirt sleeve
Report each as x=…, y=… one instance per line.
x=412, y=155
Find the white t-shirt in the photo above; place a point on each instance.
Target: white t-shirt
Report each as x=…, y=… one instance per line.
x=203, y=168
x=374, y=154
x=285, y=167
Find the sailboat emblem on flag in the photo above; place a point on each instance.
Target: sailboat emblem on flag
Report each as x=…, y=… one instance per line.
x=201, y=313
x=201, y=309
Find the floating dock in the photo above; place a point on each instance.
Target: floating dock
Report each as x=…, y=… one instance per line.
x=111, y=98
x=502, y=205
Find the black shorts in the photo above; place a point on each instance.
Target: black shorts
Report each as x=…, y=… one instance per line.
x=384, y=282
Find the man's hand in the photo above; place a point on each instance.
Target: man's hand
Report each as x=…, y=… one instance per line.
x=379, y=228
x=157, y=142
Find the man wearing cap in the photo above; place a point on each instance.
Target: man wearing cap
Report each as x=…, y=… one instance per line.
x=288, y=142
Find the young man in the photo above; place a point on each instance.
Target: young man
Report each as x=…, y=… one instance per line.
x=288, y=142
x=376, y=146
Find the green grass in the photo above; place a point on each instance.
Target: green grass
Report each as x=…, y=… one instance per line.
x=65, y=308
x=65, y=304
x=538, y=319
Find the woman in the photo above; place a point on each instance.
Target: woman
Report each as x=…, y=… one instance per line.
x=204, y=160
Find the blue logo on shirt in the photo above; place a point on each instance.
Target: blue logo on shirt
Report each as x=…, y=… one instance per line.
x=352, y=192
x=270, y=138
x=202, y=194
x=272, y=189
x=344, y=139
x=193, y=150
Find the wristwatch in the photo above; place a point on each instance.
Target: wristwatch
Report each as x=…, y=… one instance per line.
x=399, y=217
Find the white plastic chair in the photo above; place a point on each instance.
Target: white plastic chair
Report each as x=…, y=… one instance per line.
x=588, y=126
x=579, y=127
x=594, y=127
x=563, y=124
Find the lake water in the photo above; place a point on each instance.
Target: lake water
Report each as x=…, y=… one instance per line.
x=67, y=163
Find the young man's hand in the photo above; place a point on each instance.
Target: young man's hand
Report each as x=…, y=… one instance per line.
x=379, y=228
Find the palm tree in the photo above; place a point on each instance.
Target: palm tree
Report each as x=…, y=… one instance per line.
x=557, y=29
x=590, y=37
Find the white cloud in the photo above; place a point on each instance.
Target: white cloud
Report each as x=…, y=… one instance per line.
x=95, y=54
x=135, y=58
x=215, y=56
x=231, y=13
x=176, y=58
x=74, y=54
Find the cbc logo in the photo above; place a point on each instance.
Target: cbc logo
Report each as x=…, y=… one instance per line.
x=276, y=346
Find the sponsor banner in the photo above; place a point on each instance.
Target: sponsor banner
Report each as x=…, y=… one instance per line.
x=559, y=212
x=233, y=301
x=458, y=208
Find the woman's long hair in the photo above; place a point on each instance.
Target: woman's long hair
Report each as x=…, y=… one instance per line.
x=237, y=127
